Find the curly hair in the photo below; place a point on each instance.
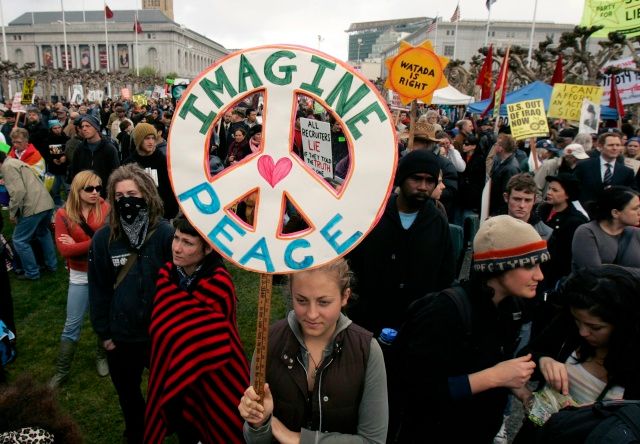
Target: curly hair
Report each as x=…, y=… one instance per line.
x=25, y=403
x=147, y=188
x=609, y=292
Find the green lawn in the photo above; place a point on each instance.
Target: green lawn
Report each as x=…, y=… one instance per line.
x=91, y=400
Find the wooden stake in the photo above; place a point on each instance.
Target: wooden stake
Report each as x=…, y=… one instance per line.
x=534, y=153
x=262, y=333
x=412, y=123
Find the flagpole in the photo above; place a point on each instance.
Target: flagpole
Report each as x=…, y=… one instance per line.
x=4, y=44
x=455, y=37
x=106, y=37
x=435, y=46
x=106, y=47
x=64, y=35
x=533, y=29
x=486, y=37
x=84, y=18
x=135, y=31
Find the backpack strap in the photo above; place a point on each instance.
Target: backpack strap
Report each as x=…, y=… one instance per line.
x=131, y=260
x=459, y=297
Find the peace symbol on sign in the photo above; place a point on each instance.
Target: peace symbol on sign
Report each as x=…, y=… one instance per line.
x=338, y=221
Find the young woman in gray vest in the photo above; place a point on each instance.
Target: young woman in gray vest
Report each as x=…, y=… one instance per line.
x=325, y=375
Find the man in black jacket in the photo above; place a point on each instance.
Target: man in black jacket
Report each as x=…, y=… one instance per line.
x=96, y=153
x=506, y=167
x=599, y=172
x=150, y=158
x=409, y=252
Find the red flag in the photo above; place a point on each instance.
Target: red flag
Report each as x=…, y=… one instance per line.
x=485, y=76
x=456, y=14
x=614, y=99
x=137, y=27
x=501, y=87
x=433, y=26
x=108, y=13
x=558, y=74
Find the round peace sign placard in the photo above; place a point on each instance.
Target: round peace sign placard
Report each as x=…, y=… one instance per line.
x=337, y=220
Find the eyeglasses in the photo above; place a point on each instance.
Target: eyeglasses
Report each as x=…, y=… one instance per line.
x=91, y=189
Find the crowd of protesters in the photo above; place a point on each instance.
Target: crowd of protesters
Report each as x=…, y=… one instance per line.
x=426, y=332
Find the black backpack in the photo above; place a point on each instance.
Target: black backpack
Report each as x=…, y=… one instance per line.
x=604, y=422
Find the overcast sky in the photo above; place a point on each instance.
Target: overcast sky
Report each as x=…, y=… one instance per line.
x=247, y=23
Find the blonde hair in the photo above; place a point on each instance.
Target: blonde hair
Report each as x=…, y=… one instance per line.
x=73, y=205
x=339, y=269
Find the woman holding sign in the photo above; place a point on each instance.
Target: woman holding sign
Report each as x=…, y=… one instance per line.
x=326, y=375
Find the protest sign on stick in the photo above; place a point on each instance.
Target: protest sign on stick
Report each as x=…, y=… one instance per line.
x=566, y=100
x=528, y=119
x=337, y=221
x=28, y=85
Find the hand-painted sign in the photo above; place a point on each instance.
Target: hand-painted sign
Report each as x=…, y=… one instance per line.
x=416, y=72
x=28, y=85
x=316, y=146
x=337, y=220
x=566, y=99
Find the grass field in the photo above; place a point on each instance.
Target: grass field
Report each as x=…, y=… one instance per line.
x=91, y=400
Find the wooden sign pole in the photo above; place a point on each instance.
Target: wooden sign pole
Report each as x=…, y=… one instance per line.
x=262, y=334
x=412, y=123
x=534, y=153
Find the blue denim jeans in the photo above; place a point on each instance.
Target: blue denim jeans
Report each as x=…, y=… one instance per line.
x=34, y=227
x=77, y=307
x=59, y=185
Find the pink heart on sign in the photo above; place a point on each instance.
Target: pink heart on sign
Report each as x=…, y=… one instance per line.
x=273, y=173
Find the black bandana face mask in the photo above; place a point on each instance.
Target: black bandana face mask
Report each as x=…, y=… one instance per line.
x=129, y=207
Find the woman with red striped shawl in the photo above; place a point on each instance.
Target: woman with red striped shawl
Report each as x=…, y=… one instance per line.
x=198, y=367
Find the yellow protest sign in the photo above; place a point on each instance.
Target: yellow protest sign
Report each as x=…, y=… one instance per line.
x=140, y=99
x=28, y=85
x=615, y=15
x=566, y=99
x=527, y=119
x=416, y=72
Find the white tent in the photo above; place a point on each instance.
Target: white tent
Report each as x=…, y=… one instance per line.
x=450, y=96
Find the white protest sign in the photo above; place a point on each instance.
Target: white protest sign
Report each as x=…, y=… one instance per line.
x=16, y=105
x=95, y=95
x=158, y=92
x=628, y=82
x=316, y=146
x=589, y=117
x=77, y=96
x=337, y=220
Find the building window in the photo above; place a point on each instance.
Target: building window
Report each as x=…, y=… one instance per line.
x=451, y=32
x=448, y=50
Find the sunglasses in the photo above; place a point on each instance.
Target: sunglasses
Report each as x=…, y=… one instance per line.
x=91, y=189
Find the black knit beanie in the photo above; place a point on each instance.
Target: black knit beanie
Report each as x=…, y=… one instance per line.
x=417, y=161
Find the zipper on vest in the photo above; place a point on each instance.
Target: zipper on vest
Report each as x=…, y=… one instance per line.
x=320, y=395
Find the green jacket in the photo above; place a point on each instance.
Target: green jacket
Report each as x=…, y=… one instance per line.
x=27, y=193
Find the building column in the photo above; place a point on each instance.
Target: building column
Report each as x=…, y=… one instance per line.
x=56, y=56
x=39, y=56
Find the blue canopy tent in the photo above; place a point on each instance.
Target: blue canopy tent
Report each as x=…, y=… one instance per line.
x=535, y=90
